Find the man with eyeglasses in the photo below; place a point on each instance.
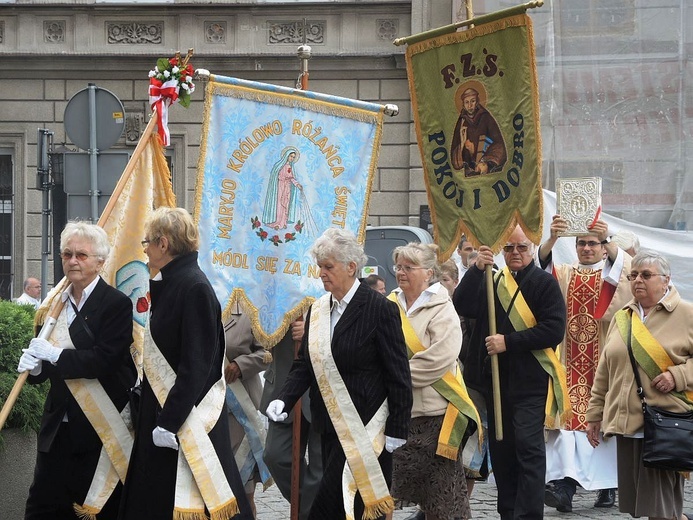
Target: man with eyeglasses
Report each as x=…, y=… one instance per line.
x=31, y=294
x=594, y=289
x=530, y=321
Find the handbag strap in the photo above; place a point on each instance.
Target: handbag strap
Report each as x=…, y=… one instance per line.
x=83, y=321
x=639, y=390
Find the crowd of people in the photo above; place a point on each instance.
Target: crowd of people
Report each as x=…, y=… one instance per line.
x=392, y=393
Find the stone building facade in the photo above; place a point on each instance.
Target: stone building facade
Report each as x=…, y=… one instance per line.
x=51, y=50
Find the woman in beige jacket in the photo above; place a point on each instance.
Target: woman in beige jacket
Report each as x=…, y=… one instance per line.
x=659, y=319
x=421, y=476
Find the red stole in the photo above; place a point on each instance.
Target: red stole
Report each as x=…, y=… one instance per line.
x=587, y=300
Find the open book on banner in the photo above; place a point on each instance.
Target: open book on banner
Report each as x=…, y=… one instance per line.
x=476, y=109
x=278, y=167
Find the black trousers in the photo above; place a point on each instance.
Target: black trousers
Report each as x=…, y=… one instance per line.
x=519, y=460
x=61, y=478
x=329, y=501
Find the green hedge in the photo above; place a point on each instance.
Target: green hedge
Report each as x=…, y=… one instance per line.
x=16, y=331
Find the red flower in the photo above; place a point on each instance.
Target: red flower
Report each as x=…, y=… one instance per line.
x=256, y=224
x=142, y=304
x=263, y=235
x=173, y=61
x=289, y=236
x=298, y=227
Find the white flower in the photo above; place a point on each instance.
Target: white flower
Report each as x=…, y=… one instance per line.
x=192, y=88
x=156, y=69
x=188, y=79
x=175, y=70
x=167, y=74
x=152, y=73
x=185, y=86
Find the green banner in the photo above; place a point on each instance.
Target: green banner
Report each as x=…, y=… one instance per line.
x=476, y=109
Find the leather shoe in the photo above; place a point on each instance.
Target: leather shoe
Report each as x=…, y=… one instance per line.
x=558, y=498
x=605, y=498
x=419, y=515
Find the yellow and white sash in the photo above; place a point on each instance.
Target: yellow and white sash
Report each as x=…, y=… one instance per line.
x=451, y=387
x=200, y=478
x=110, y=425
x=361, y=444
x=522, y=318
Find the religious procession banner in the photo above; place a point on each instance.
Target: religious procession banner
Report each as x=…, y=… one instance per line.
x=277, y=167
x=476, y=109
x=144, y=186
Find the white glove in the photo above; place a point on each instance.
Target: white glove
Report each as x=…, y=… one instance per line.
x=275, y=411
x=392, y=443
x=42, y=349
x=164, y=438
x=30, y=363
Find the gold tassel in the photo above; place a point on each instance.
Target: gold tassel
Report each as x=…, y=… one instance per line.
x=379, y=508
x=85, y=512
x=267, y=358
x=449, y=452
x=226, y=511
x=189, y=514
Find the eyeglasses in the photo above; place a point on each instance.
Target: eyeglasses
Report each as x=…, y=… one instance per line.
x=406, y=268
x=521, y=248
x=80, y=255
x=148, y=241
x=590, y=243
x=645, y=275
x=145, y=243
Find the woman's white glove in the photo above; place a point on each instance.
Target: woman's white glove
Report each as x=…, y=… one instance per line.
x=42, y=349
x=392, y=443
x=275, y=411
x=164, y=438
x=30, y=363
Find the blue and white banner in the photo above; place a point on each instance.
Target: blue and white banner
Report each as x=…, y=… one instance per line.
x=277, y=167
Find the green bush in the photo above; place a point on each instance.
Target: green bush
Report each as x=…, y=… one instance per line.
x=16, y=331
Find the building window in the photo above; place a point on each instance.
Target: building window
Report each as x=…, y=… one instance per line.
x=6, y=226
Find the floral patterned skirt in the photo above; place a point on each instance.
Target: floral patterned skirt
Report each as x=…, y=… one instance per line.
x=421, y=477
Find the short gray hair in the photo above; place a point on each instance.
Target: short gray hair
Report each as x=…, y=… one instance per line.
x=94, y=234
x=651, y=257
x=424, y=255
x=341, y=245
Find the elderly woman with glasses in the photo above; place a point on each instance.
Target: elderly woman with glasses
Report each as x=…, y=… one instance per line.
x=657, y=327
x=353, y=359
x=87, y=361
x=182, y=465
x=428, y=470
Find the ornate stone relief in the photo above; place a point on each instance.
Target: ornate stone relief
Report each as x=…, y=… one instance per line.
x=215, y=32
x=387, y=30
x=134, y=33
x=281, y=33
x=54, y=31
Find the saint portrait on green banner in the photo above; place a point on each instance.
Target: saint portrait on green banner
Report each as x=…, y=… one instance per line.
x=476, y=111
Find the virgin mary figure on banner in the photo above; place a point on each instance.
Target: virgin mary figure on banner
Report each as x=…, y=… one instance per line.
x=282, y=202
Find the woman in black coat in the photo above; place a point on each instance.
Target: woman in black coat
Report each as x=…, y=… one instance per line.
x=187, y=338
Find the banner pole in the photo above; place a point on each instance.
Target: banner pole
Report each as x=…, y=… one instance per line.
x=495, y=374
x=484, y=18
x=304, y=54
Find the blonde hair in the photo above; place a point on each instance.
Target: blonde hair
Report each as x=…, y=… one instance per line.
x=424, y=255
x=177, y=225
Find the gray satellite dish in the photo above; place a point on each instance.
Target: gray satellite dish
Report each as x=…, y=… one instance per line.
x=110, y=119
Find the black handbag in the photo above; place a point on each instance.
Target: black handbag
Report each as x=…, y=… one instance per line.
x=668, y=442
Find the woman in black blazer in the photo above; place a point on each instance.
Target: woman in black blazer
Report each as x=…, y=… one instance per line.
x=97, y=321
x=353, y=340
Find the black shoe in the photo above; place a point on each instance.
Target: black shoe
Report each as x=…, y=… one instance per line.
x=605, y=498
x=558, y=498
x=419, y=515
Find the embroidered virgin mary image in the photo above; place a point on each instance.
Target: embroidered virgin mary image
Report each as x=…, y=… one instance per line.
x=282, y=201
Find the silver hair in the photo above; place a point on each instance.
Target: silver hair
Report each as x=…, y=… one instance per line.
x=341, y=245
x=424, y=255
x=94, y=234
x=651, y=257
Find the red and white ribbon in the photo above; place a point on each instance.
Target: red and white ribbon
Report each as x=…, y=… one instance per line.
x=161, y=95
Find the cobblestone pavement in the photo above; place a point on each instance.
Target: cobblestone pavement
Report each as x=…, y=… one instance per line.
x=272, y=506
